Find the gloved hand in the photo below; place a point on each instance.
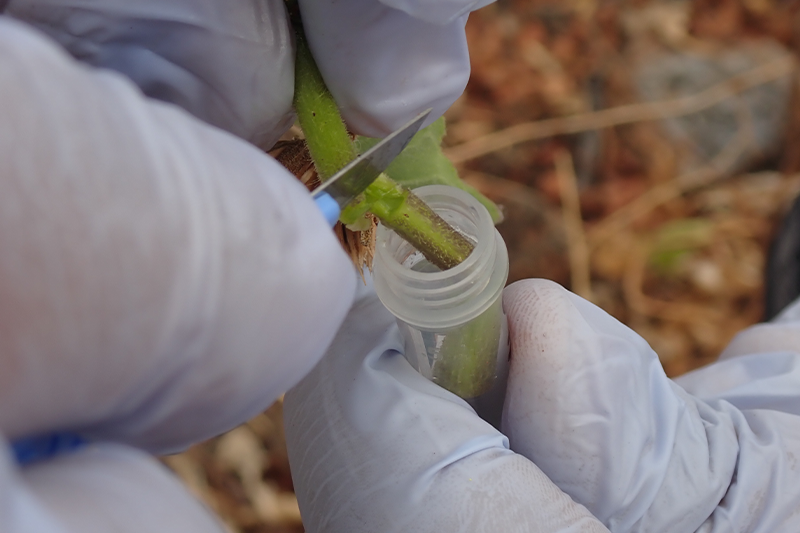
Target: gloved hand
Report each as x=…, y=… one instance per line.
x=159, y=277
x=231, y=63
x=592, y=427
x=158, y=282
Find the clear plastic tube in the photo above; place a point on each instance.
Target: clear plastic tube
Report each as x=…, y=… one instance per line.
x=452, y=321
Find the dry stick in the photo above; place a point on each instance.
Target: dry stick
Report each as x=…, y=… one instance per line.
x=633, y=279
x=578, y=249
x=626, y=114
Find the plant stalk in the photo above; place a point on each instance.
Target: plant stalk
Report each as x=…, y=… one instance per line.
x=332, y=148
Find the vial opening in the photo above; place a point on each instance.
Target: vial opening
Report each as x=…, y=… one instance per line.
x=419, y=293
x=459, y=209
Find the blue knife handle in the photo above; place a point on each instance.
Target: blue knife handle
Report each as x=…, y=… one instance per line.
x=31, y=450
x=330, y=209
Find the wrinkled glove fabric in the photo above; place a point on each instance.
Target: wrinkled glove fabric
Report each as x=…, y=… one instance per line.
x=231, y=63
x=158, y=275
x=592, y=423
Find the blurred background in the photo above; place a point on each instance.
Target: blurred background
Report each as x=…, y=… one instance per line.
x=644, y=153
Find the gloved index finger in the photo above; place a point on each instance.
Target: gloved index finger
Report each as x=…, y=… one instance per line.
x=158, y=275
x=384, y=66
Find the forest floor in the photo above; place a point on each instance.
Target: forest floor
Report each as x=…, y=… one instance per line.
x=644, y=153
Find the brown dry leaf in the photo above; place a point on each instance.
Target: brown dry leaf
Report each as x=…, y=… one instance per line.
x=359, y=245
x=244, y=476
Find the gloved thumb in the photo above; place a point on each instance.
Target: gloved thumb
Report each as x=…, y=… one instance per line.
x=589, y=403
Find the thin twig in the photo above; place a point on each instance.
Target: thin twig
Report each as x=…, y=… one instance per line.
x=626, y=114
x=577, y=248
x=504, y=190
x=633, y=280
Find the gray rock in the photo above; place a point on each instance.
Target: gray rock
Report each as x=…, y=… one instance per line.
x=762, y=111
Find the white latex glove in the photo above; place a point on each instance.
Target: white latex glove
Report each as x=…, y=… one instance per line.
x=231, y=63
x=384, y=61
x=161, y=281
x=375, y=447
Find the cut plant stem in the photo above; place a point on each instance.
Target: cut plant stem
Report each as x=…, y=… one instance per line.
x=401, y=210
x=332, y=148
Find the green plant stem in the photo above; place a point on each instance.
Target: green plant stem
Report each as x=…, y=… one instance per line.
x=466, y=362
x=411, y=218
x=326, y=135
x=332, y=148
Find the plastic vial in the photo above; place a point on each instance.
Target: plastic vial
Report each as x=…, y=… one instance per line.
x=452, y=321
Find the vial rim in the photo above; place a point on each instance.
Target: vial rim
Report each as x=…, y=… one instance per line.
x=421, y=306
x=480, y=251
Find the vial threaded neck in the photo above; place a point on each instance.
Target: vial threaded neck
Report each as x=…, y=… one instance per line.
x=421, y=295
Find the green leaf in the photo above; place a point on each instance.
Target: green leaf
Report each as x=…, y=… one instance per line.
x=423, y=163
x=676, y=241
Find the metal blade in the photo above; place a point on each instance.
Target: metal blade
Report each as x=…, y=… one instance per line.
x=353, y=179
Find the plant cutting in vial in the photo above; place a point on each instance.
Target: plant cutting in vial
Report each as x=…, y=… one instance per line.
x=452, y=321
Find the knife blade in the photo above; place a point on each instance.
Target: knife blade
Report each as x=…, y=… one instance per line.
x=344, y=186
